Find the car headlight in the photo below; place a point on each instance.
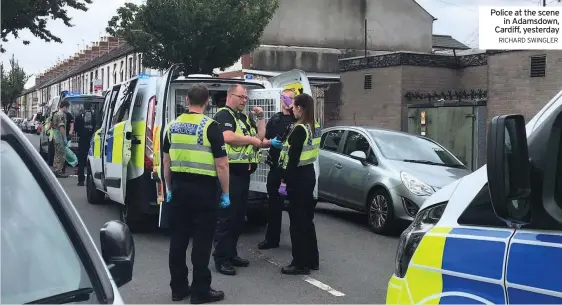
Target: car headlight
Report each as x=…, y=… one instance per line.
x=424, y=221
x=415, y=185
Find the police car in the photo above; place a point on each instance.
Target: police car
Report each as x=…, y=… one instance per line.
x=494, y=236
x=48, y=256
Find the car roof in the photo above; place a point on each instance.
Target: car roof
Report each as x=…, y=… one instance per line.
x=367, y=129
x=11, y=133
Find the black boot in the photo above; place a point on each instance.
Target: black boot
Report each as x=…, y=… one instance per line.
x=211, y=296
x=264, y=245
x=225, y=268
x=240, y=262
x=294, y=270
x=180, y=295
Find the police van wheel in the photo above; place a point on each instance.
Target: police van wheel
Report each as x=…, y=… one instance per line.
x=257, y=217
x=380, y=212
x=93, y=195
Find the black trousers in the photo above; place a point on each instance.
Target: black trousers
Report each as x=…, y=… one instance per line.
x=83, y=147
x=301, y=213
x=231, y=220
x=275, y=211
x=193, y=215
x=51, y=153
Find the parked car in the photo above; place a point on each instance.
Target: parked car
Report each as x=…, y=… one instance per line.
x=48, y=256
x=388, y=174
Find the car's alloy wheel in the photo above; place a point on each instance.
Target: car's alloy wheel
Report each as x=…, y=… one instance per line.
x=380, y=212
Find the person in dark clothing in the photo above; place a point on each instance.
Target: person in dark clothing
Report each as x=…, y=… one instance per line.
x=195, y=161
x=243, y=138
x=300, y=151
x=84, y=124
x=277, y=127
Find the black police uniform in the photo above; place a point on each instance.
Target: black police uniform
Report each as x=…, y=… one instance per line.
x=84, y=126
x=278, y=126
x=193, y=214
x=231, y=220
x=301, y=181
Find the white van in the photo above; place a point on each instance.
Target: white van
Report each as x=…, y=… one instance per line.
x=120, y=157
x=266, y=94
x=494, y=236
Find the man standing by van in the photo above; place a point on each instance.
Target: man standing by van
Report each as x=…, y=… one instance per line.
x=277, y=127
x=84, y=125
x=243, y=138
x=195, y=159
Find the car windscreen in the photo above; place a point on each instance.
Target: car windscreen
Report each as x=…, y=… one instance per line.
x=403, y=147
x=37, y=256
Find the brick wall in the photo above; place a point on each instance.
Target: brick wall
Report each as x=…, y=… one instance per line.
x=512, y=90
x=378, y=107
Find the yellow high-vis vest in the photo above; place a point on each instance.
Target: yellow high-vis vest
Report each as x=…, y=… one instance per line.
x=242, y=154
x=310, y=149
x=190, y=149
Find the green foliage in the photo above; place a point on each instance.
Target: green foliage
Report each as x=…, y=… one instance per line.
x=13, y=83
x=201, y=34
x=32, y=15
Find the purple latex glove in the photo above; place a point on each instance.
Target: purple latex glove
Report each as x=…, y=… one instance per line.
x=283, y=189
x=286, y=100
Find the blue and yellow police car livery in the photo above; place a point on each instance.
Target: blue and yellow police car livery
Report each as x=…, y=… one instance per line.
x=494, y=236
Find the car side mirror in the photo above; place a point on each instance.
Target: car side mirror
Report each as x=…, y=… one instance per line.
x=509, y=168
x=118, y=251
x=359, y=156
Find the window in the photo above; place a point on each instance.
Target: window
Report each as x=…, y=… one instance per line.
x=480, y=211
x=368, y=82
x=410, y=148
x=140, y=63
x=114, y=74
x=354, y=142
x=108, y=84
x=38, y=257
x=102, y=79
x=91, y=82
x=121, y=72
x=130, y=67
x=331, y=140
x=122, y=113
x=134, y=69
x=538, y=66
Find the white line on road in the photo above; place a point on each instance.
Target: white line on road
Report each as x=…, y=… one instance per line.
x=314, y=282
x=323, y=286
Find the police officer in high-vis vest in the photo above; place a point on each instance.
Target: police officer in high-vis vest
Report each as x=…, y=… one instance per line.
x=195, y=160
x=298, y=154
x=244, y=138
x=85, y=125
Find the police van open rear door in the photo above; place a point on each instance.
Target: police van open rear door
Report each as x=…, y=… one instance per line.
x=160, y=123
x=118, y=141
x=298, y=82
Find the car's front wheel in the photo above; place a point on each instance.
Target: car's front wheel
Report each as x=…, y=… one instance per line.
x=380, y=212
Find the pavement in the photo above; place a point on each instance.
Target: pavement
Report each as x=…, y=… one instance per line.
x=355, y=263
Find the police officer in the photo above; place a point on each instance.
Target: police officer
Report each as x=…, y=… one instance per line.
x=300, y=151
x=277, y=130
x=195, y=159
x=85, y=125
x=243, y=138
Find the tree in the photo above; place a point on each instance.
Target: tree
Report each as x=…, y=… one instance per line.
x=33, y=15
x=13, y=83
x=201, y=34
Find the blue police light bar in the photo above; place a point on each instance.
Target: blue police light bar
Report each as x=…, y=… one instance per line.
x=143, y=76
x=249, y=76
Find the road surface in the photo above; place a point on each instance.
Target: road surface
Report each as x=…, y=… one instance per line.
x=355, y=264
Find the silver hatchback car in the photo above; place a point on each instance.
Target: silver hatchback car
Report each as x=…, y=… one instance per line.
x=387, y=174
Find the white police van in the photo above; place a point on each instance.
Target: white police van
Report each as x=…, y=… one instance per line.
x=494, y=236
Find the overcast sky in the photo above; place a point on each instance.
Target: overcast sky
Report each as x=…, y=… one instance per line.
x=458, y=18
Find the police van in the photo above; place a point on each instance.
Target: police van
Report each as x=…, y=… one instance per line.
x=171, y=102
x=120, y=156
x=494, y=236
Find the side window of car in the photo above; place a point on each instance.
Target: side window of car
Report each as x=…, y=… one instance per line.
x=480, y=212
x=122, y=114
x=331, y=140
x=356, y=141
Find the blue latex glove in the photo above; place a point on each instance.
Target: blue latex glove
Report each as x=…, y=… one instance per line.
x=276, y=143
x=224, y=201
x=168, y=196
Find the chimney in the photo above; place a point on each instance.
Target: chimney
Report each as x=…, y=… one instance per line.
x=94, y=51
x=104, y=45
x=114, y=42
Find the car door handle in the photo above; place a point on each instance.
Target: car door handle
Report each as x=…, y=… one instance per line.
x=338, y=166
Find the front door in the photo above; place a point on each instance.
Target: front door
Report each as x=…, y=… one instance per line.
x=297, y=81
x=119, y=143
x=452, y=127
x=96, y=146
